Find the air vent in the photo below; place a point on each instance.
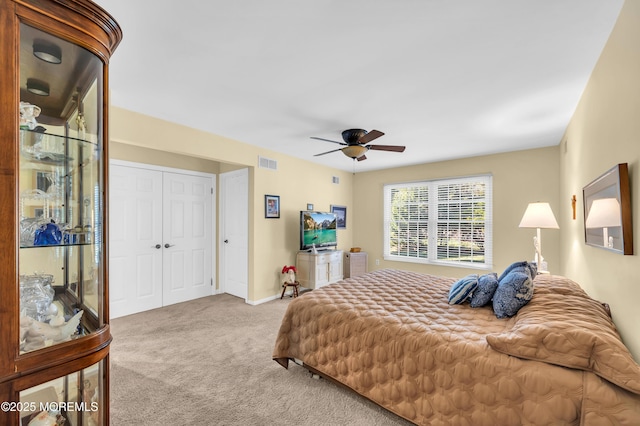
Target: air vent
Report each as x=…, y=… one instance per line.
x=267, y=163
x=335, y=179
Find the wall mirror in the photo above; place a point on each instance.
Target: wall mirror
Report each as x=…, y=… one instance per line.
x=607, y=211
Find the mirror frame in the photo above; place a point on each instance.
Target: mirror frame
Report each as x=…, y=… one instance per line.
x=614, y=183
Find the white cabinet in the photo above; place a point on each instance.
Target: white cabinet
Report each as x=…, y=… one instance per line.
x=319, y=269
x=355, y=264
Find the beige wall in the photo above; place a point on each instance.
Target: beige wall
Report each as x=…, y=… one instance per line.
x=605, y=131
x=272, y=242
x=519, y=178
x=121, y=151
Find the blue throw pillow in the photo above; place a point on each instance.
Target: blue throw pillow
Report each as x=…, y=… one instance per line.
x=487, y=285
x=524, y=266
x=514, y=291
x=461, y=290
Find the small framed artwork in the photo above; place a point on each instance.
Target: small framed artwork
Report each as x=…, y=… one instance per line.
x=341, y=216
x=309, y=206
x=272, y=206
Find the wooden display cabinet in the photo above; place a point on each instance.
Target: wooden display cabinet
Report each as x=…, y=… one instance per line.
x=54, y=313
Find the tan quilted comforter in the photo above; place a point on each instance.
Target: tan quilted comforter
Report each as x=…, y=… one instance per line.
x=392, y=337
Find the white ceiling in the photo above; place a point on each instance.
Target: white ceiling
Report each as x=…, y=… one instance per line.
x=448, y=79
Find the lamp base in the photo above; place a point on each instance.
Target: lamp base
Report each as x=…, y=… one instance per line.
x=542, y=267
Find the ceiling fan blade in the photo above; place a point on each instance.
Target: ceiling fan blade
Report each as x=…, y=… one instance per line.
x=329, y=152
x=373, y=134
x=328, y=140
x=362, y=158
x=392, y=148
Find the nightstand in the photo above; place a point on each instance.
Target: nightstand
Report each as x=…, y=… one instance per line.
x=355, y=264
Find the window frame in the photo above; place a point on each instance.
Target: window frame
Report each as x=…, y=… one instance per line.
x=432, y=221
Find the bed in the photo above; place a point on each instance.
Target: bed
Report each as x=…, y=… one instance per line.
x=392, y=337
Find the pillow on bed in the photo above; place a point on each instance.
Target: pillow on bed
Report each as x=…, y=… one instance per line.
x=461, y=290
x=514, y=291
x=572, y=331
x=487, y=285
x=523, y=266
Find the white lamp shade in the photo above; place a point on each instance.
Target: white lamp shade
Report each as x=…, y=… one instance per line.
x=539, y=215
x=604, y=213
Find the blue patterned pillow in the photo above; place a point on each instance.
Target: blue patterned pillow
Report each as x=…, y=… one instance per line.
x=524, y=266
x=487, y=285
x=514, y=291
x=461, y=290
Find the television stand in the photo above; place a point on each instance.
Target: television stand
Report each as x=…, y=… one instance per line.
x=316, y=270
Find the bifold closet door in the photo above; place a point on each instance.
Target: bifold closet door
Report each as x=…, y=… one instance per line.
x=135, y=236
x=187, y=223
x=161, y=238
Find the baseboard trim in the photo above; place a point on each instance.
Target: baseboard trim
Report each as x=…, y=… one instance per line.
x=261, y=301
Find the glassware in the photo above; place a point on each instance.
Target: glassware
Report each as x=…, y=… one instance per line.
x=36, y=296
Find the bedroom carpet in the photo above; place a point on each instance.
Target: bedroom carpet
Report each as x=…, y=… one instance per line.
x=208, y=362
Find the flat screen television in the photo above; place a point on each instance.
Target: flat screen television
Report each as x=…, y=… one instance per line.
x=317, y=229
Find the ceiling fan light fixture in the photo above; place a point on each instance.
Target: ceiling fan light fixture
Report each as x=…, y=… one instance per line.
x=47, y=52
x=352, y=136
x=354, y=151
x=37, y=87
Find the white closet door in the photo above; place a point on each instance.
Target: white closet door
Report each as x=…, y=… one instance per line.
x=234, y=201
x=187, y=232
x=135, y=238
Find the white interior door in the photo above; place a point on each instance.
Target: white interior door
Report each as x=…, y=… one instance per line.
x=135, y=237
x=187, y=235
x=160, y=237
x=234, y=218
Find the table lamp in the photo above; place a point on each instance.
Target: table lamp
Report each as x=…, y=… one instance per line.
x=604, y=213
x=539, y=215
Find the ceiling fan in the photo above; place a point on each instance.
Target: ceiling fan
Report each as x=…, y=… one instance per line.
x=355, y=144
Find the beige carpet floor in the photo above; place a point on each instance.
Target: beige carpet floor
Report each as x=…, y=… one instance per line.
x=208, y=362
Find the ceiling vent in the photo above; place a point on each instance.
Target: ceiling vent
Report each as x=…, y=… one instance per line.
x=267, y=163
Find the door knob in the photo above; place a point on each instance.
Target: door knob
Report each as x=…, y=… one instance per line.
x=226, y=241
x=168, y=245
x=158, y=246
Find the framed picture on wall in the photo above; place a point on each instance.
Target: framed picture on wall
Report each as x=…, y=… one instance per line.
x=607, y=211
x=272, y=206
x=341, y=216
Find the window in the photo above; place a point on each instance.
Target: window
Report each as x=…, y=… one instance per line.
x=440, y=221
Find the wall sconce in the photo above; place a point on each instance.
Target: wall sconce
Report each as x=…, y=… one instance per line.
x=47, y=52
x=37, y=87
x=604, y=213
x=539, y=215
